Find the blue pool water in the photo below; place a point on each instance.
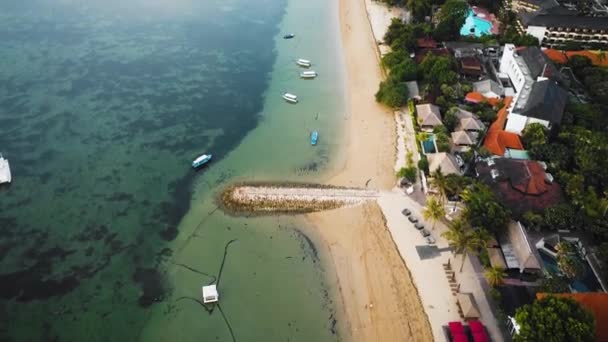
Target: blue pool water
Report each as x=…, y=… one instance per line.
x=480, y=25
x=429, y=145
x=586, y=283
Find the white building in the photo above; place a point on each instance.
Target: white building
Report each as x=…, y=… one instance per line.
x=538, y=96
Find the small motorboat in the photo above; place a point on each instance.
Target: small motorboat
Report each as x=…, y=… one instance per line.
x=290, y=98
x=289, y=36
x=201, y=160
x=303, y=63
x=314, y=136
x=308, y=74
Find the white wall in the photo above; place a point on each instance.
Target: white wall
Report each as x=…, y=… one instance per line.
x=538, y=32
x=509, y=66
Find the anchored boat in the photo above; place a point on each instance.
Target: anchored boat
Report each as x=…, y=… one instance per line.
x=308, y=74
x=289, y=36
x=314, y=136
x=5, y=170
x=290, y=98
x=201, y=160
x=303, y=63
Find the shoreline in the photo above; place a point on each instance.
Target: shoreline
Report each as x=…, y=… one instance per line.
x=375, y=296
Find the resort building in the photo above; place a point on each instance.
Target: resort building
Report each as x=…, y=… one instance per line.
x=467, y=132
x=518, y=250
x=489, y=88
x=554, y=25
x=521, y=185
x=429, y=116
x=498, y=141
x=445, y=161
x=470, y=66
x=554, y=30
x=539, y=97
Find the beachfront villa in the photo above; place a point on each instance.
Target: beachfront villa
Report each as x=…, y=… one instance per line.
x=429, y=116
x=537, y=84
x=445, y=161
x=521, y=185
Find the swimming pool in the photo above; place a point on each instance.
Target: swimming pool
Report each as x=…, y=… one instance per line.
x=428, y=145
x=480, y=26
x=587, y=282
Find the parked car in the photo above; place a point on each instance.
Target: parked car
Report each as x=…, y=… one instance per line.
x=419, y=225
x=425, y=232
x=406, y=212
x=430, y=240
x=412, y=219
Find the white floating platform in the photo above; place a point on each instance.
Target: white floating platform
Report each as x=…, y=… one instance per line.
x=5, y=171
x=210, y=294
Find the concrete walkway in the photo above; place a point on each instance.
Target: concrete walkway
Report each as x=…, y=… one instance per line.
x=426, y=265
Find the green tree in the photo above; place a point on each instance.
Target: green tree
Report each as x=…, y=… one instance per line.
x=408, y=173
x=534, y=135
x=394, y=58
x=483, y=209
x=392, y=93
x=439, y=181
x=495, y=276
x=554, y=319
x=451, y=17
x=405, y=71
x=463, y=239
x=568, y=260
x=433, y=211
x=533, y=220
x=450, y=120
x=553, y=283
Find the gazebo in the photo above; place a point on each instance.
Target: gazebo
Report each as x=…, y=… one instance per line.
x=468, y=305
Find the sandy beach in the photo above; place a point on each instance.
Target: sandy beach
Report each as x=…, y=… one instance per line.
x=377, y=299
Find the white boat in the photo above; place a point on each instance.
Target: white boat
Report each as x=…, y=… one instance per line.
x=5, y=170
x=303, y=63
x=201, y=160
x=308, y=74
x=290, y=98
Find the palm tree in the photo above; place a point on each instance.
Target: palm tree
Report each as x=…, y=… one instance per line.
x=440, y=182
x=433, y=211
x=495, y=275
x=463, y=239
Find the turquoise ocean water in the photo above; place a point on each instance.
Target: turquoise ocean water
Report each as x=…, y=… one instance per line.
x=106, y=234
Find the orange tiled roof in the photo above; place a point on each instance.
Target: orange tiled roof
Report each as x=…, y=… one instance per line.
x=563, y=56
x=556, y=55
x=477, y=97
x=597, y=303
x=497, y=140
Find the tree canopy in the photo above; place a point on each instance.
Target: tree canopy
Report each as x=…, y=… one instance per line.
x=451, y=17
x=554, y=319
x=483, y=209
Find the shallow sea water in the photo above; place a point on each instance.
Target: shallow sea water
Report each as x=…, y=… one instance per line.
x=106, y=234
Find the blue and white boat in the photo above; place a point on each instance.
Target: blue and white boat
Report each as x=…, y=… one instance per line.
x=289, y=36
x=201, y=160
x=314, y=136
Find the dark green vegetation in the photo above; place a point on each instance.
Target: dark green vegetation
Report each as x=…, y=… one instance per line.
x=554, y=319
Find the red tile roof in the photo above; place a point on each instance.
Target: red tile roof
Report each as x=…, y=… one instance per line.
x=426, y=43
x=597, y=303
x=497, y=140
x=477, y=97
x=597, y=58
